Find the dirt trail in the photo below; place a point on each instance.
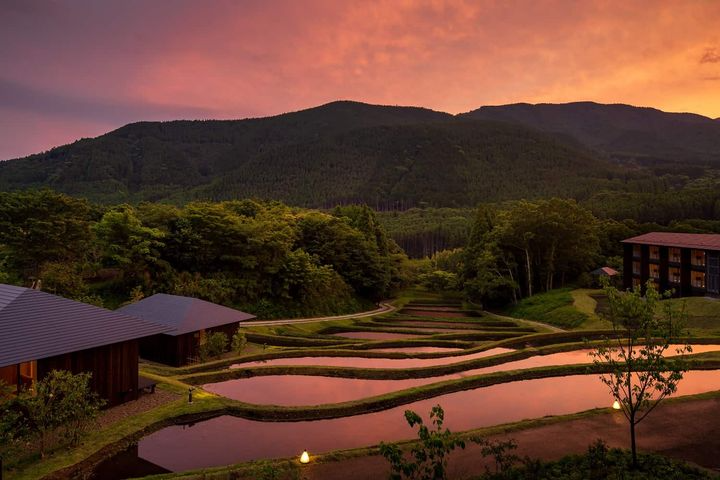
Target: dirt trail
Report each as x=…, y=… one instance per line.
x=687, y=430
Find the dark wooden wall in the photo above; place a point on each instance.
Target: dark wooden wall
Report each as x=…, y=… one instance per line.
x=180, y=349
x=114, y=369
x=9, y=375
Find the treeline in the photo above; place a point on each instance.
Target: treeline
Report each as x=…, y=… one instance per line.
x=265, y=258
x=521, y=248
x=421, y=232
x=661, y=204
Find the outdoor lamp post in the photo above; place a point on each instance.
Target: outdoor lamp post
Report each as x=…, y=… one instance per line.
x=304, y=458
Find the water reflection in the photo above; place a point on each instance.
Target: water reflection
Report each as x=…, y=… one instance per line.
x=295, y=390
x=225, y=440
x=416, y=349
x=361, y=362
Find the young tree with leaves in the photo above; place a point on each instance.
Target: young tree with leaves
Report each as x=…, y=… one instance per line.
x=429, y=456
x=639, y=374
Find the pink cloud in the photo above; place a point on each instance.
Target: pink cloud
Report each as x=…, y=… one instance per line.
x=226, y=59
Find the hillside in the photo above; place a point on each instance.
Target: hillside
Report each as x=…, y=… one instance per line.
x=340, y=152
x=621, y=131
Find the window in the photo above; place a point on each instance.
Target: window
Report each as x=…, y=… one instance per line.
x=636, y=268
x=654, y=253
x=674, y=275
x=698, y=258
x=675, y=255
x=636, y=251
x=698, y=279
x=636, y=282
x=654, y=270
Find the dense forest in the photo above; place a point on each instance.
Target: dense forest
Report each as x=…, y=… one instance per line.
x=474, y=199
x=623, y=132
x=390, y=158
x=276, y=261
x=266, y=258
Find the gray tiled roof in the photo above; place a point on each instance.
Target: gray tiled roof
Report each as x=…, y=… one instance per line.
x=35, y=325
x=184, y=314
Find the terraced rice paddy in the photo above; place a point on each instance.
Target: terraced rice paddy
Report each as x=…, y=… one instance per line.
x=207, y=443
x=296, y=390
x=362, y=335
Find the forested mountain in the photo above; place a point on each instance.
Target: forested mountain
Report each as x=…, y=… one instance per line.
x=620, y=131
x=391, y=158
x=338, y=153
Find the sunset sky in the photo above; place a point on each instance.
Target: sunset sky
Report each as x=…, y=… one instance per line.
x=72, y=69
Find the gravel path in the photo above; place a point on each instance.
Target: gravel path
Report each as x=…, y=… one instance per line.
x=147, y=401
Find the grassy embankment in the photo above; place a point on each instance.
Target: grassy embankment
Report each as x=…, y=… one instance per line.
x=583, y=309
x=566, y=308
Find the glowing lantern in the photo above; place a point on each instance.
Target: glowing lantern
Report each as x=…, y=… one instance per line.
x=616, y=405
x=305, y=458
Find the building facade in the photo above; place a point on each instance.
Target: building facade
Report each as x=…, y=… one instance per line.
x=686, y=263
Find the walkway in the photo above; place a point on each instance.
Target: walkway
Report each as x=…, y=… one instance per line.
x=534, y=323
x=383, y=308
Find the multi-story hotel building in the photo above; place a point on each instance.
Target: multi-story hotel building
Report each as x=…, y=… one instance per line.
x=687, y=263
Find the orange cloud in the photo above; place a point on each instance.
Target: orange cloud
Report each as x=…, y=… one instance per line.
x=229, y=59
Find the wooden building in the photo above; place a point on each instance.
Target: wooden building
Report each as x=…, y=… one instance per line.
x=687, y=263
x=40, y=332
x=190, y=321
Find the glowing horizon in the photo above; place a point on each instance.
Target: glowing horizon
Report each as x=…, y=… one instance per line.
x=80, y=69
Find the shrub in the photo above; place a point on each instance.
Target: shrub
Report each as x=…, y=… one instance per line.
x=239, y=341
x=60, y=406
x=215, y=345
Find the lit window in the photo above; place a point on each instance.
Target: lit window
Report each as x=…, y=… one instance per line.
x=698, y=279
x=698, y=258
x=636, y=268
x=636, y=282
x=675, y=255
x=674, y=275
x=654, y=253
x=636, y=250
x=654, y=270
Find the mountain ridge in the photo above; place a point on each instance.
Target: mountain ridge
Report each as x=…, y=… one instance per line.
x=346, y=151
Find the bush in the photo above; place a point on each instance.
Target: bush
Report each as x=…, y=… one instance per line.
x=61, y=406
x=239, y=341
x=601, y=463
x=215, y=345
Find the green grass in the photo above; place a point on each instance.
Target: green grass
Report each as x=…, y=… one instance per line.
x=556, y=307
x=703, y=314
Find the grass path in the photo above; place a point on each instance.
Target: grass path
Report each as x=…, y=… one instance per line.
x=382, y=309
x=532, y=323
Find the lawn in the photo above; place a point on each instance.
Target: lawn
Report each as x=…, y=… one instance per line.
x=563, y=307
x=703, y=314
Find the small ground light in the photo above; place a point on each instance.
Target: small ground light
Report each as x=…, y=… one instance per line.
x=305, y=458
x=616, y=405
